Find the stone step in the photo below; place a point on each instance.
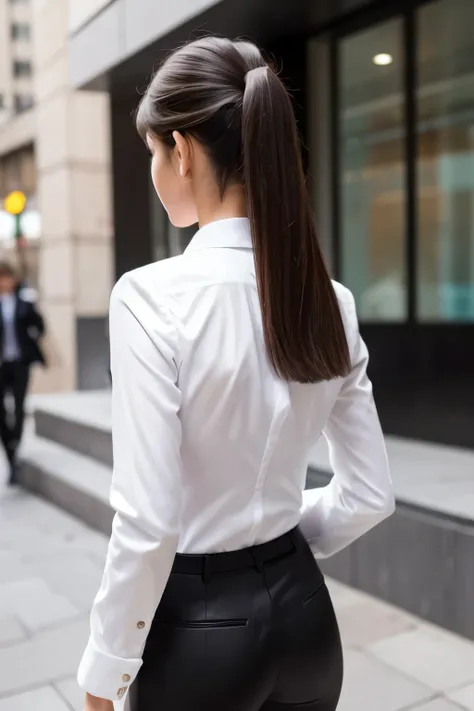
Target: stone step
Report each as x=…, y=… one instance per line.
x=80, y=422
x=425, y=548
x=76, y=483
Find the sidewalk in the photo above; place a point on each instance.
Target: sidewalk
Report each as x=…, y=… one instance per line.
x=50, y=569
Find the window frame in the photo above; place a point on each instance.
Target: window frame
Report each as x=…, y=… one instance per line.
x=17, y=101
x=16, y=31
x=407, y=12
x=19, y=65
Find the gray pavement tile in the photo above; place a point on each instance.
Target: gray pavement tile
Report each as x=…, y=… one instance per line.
x=10, y=630
x=11, y=567
x=35, y=605
x=26, y=544
x=438, y=705
x=70, y=691
x=430, y=655
x=372, y=686
x=91, y=542
x=20, y=592
x=50, y=656
x=370, y=621
x=44, y=699
x=71, y=573
x=464, y=697
x=343, y=596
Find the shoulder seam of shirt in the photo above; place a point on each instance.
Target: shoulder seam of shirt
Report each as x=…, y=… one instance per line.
x=162, y=301
x=186, y=289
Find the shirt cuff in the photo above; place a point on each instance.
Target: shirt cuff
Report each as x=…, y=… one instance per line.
x=103, y=675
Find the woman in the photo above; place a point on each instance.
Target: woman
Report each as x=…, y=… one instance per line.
x=228, y=363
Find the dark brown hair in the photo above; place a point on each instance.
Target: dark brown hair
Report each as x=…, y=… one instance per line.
x=6, y=269
x=224, y=95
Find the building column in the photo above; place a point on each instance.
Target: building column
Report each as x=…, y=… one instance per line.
x=74, y=188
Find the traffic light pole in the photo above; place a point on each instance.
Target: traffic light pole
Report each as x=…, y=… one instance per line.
x=20, y=249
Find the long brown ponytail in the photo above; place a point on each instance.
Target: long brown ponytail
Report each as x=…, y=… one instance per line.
x=224, y=94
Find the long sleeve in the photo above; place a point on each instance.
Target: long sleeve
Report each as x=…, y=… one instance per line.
x=360, y=493
x=145, y=490
x=37, y=321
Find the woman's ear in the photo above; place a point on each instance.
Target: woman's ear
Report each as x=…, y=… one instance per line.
x=183, y=152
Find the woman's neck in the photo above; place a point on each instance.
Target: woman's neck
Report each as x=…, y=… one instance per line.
x=231, y=205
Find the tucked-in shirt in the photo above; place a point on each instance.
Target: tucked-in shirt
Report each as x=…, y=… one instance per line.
x=211, y=447
x=11, y=348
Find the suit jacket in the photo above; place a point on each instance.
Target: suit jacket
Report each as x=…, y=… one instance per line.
x=29, y=326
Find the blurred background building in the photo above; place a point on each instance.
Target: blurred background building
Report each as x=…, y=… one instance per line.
x=17, y=126
x=384, y=93
x=384, y=97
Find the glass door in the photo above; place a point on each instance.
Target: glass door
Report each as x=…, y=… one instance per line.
x=372, y=191
x=445, y=168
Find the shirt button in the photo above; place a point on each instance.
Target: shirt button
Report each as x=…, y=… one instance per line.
x=140, y=625
x=126, y=677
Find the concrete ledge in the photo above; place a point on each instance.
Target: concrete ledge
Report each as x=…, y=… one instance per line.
x=419, y=560
x=19, y=131
x=85, y=438
x=75, y=483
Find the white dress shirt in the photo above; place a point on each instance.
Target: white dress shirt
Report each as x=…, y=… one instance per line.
x=211, y=447
x=11, y=348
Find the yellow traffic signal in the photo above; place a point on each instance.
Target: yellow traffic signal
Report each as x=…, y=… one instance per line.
x=15, y=202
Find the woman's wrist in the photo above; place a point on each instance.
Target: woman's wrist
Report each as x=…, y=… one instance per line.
x=94, y=703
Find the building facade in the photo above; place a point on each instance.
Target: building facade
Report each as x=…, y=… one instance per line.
x=17, y=129
x=73, y=172
x=17, y=161
x=16, y=69
x=384, y=93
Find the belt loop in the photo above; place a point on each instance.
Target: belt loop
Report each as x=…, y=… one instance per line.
x=294, y=538
x=256, y=560
x=206, y=568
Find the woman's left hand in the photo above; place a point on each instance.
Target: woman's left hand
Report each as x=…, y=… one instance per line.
x=93, y=703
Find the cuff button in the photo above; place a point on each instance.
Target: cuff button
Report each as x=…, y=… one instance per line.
x=126, y=677
x=140, y=625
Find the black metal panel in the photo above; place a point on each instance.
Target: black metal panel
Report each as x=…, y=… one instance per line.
x=422, y=376
x=417, y=559
x=131, y=190
x=235, y=18
x=92, y=353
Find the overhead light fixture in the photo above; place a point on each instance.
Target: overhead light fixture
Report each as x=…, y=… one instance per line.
x=383, y=59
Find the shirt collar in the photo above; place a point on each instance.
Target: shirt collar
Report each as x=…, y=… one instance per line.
x=231, y=233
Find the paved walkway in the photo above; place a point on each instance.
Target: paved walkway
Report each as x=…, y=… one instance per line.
x=50, y=568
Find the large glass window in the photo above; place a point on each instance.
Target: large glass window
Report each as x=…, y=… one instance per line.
x=445, y=101
x=21, y=68
x=372, y=197
x=20, y=31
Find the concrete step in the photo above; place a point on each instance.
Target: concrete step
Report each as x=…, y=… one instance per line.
x=420, y=559
x=79, y=421
x=77, y=484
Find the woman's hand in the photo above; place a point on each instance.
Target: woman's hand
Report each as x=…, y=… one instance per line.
x=93, y=703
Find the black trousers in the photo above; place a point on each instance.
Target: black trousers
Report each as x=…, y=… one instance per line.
x=14, y=379
x=251, y=630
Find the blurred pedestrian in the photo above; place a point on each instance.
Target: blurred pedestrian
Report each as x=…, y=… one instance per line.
x=21, y=327
x=228, y=363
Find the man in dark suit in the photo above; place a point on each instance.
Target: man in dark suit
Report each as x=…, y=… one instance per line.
x=21, y=327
